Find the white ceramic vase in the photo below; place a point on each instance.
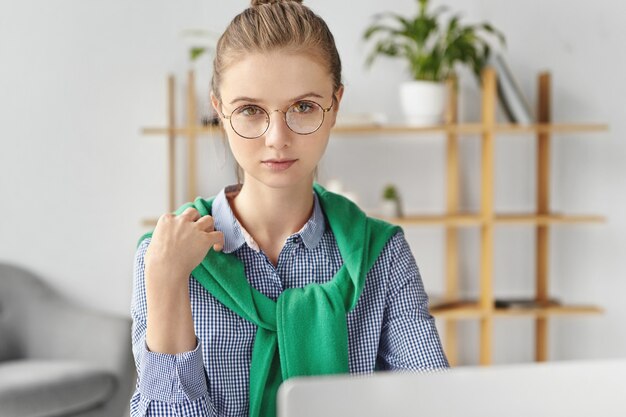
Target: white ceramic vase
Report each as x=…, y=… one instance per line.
x=389, y=208
x=423, y=102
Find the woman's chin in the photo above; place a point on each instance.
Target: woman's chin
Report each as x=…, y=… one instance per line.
x=282, y=180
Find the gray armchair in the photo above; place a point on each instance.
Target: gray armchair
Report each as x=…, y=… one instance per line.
x=58, y=359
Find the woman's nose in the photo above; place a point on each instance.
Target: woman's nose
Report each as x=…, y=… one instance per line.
x=278, y=134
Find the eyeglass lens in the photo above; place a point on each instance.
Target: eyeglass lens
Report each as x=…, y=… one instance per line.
x=251, y=121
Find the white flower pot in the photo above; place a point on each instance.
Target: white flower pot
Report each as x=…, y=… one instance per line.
x=423, y=102
x=389, y=209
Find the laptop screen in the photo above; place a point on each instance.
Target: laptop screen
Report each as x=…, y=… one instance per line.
x=577, y=388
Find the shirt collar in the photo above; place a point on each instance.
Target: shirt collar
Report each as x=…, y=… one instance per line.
x=235, y=235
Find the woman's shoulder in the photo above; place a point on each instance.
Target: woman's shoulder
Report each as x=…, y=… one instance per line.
x=396, y=243
x=395, y=254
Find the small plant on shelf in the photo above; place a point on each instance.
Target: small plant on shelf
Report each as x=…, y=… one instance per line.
x=391, y=205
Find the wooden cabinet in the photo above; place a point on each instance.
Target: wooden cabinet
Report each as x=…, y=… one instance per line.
x=455, y=306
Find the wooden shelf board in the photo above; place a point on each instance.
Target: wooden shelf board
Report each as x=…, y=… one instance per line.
x=475, y=128
x=434, y=219
x=457, y=310
x=558, y=310
x=462, y=128
x=471, y=219
x=467, y=128
x=553, y=218
x=474, y=219
x=181, y=130
x=551, y=128
x=471, y=309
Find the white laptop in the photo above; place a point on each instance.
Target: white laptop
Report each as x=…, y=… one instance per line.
x=553, y=389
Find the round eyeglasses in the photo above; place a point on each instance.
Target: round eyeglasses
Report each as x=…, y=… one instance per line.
x=303, y=117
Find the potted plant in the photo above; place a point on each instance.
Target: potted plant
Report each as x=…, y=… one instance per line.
x=391, y=206
x=432, y=50
x=201, y=46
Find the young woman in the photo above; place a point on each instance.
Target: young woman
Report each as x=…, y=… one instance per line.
x=274, y=277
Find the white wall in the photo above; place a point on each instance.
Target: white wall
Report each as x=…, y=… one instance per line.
x=79, y=79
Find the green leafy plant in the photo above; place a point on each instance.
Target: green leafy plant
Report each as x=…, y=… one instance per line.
x=390, y=193
x=201, y=42
x=431, y=48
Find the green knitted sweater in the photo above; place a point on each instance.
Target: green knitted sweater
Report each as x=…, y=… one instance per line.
x=305, y=331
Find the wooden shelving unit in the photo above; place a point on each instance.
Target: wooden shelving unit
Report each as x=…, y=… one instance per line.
x=454, y=308
x=484, y=308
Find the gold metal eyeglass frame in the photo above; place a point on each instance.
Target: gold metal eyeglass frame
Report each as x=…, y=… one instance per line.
x=324, y=111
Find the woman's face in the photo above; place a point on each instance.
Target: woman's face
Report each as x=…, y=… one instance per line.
x=280, y=157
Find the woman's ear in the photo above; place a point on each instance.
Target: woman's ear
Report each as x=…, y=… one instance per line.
x=338, y=95
x=216, y=103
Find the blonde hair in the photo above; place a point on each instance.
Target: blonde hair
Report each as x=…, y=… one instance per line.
x=270, y=25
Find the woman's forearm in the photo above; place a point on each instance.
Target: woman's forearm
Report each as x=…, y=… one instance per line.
x=169, y=320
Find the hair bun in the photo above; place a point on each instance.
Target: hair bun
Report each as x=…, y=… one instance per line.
x=254, y=3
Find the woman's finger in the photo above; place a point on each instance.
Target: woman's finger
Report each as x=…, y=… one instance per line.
x=206, y=223
x=190, y=213
x=217, y=240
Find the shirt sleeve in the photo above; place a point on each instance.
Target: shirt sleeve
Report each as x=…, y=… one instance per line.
x=167, y=385
x=409, y=339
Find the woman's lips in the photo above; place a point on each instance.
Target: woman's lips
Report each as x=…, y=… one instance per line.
x=279, y=165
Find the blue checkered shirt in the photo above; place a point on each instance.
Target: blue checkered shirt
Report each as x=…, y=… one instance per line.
x=389, y=329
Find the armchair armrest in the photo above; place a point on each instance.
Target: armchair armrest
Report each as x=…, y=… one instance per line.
x=60, y=329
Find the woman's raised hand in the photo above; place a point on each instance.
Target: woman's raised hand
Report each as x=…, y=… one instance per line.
x=180, y=242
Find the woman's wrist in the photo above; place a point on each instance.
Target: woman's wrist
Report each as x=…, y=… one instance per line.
x=165, y=274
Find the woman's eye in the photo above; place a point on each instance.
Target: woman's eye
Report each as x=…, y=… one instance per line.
x=302, y=107
x=249, y=111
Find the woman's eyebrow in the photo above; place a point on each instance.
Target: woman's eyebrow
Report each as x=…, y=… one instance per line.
x=310, y=94
x=250, y=99
x=256, y=100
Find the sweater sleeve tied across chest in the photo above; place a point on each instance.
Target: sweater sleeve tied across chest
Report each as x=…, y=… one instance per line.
x=304, y=332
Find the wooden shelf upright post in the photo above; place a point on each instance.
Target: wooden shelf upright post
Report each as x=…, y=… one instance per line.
x=192, y=186
x=452, y=242
x=543, y=207
x=487, y=211
x=171, y=142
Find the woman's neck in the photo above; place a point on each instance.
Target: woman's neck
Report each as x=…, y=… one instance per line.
x=270, y=215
